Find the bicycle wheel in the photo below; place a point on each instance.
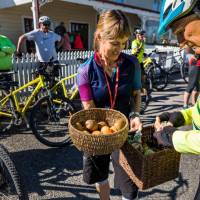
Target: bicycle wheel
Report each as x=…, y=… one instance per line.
x=11, y=185
x=184, y=72
x=49, y=121
x=7, y=117
x=158, y=77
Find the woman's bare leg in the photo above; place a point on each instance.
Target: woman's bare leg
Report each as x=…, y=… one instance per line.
x=103, y=189
x=194, y=96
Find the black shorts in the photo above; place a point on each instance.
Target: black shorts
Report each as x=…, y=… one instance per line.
x=194, y=79
x=95, y=168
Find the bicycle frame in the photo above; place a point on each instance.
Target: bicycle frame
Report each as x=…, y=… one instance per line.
x=65, y=92
x=147, y=62
x=174, y=61
x=39, y=82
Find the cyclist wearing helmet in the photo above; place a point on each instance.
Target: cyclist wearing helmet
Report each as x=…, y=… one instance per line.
x=138, y=50
x=138, y=44
x=183, y=17
x=44, y=41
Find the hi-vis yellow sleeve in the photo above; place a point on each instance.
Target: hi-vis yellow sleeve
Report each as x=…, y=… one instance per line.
x=192, y=115
x=187, y=141
x=134, y=47
x=187, y=114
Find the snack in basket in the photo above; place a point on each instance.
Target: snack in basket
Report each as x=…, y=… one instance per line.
x=101, y=124
x=147, y=150
x=106, y=130
x=136, y=142
x=113, y=128
x=94, y=142
x=91, y=125
x=100, y=128
x=119, y=124
x=79, y=126
x=138, y=146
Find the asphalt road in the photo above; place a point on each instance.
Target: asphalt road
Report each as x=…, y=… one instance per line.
x=56, y=173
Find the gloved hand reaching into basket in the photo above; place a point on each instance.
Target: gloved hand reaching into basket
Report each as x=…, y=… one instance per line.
x=164, y=136
x=165, y=127
x=175, y=119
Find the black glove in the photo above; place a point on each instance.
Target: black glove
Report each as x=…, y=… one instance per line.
x=18, y=54
x=176, y=118
x=164, y=137
x=164, y=116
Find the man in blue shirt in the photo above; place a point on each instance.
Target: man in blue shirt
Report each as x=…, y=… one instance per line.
x=44, y=40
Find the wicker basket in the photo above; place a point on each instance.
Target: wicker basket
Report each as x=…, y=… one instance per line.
x=98, y=144
x=151, y=170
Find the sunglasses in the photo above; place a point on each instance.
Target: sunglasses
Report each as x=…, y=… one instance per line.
x=46, y=24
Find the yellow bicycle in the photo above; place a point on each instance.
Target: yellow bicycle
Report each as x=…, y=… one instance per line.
x=48, y=115
x=60, y=88
x=156, y=76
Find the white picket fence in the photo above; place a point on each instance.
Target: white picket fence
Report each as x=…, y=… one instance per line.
x=25, y=67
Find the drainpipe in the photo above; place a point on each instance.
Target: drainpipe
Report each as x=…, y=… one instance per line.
x=35, y=10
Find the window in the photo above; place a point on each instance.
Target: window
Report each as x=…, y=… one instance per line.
x=151, y=31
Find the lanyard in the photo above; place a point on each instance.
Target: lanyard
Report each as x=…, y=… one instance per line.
x=113, y=100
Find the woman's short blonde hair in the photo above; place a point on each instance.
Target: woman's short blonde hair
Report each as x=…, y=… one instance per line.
x=112, y=24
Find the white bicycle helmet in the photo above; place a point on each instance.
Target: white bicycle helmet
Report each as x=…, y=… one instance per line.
x=44, y=20
x=139, y=31
x=174, y=9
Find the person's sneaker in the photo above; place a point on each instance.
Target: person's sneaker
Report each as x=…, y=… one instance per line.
x=185, y=107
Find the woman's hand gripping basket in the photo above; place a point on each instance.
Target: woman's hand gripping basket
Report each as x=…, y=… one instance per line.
x=90, y=135
x=149, y=165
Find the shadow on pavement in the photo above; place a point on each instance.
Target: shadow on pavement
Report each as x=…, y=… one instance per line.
x=173, y=194
x=51, y=169
x=157, y=104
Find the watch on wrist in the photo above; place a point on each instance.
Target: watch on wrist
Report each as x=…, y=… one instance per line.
x=133, y=115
